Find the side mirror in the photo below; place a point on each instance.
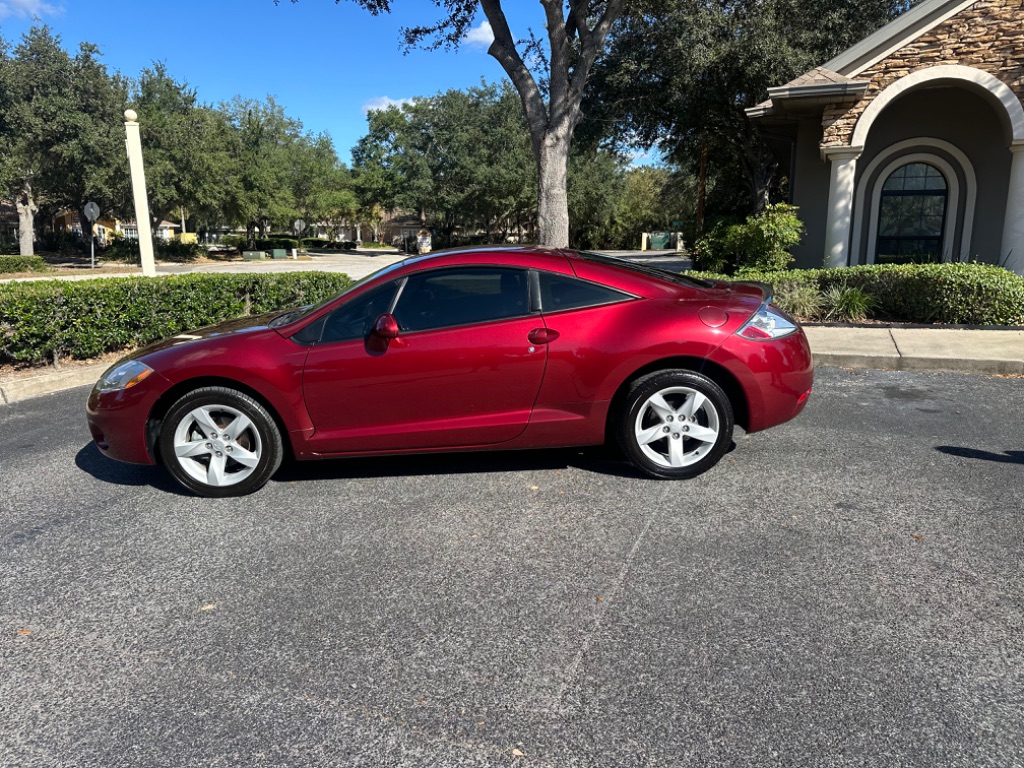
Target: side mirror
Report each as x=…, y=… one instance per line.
x=386, y=327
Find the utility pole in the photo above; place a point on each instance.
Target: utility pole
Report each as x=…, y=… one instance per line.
x=133, y=141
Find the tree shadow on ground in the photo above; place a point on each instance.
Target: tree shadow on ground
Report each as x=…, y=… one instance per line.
x=1007, y=457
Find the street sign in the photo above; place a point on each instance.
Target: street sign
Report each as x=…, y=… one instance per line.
x=299, y=225
x=92, y=212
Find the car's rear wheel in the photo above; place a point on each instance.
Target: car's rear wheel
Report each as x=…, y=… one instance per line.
x=216, y=441
x=675, y=424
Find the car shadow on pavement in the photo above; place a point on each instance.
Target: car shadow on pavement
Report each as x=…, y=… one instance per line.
x=599, y=460
x=1007, y=457
x=90, y=460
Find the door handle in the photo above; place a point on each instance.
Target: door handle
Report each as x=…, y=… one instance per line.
x=542, y=336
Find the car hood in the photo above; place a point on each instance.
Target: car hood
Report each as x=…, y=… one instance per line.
x=251, y=324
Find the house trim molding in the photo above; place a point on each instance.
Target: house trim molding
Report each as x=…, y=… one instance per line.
x=984, y=80
x=895, y=35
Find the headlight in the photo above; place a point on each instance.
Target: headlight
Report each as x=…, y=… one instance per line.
x=766, y=324
x=123, y=376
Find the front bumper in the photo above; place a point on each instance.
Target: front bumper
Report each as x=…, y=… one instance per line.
x=118, y=420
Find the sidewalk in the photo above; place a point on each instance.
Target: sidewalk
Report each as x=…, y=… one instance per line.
x=982, y=352
x=956, y=350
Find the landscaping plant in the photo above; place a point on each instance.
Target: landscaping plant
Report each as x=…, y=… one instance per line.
x=45, y=321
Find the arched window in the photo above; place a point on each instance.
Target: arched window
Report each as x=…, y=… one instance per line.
x=912, y=215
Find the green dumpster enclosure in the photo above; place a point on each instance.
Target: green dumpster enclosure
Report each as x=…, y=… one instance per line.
x=278, y=253
x=661, y=241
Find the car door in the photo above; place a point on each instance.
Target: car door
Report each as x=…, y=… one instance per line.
x=461, y=372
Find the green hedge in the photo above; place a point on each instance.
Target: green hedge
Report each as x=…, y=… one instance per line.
x=240, y=243
x=319, y=243
x=122, y=249
x=962, y=294
x=46, y=321
x=12, y=264
x=271, y=243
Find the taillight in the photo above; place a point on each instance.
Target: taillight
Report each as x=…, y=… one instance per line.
x=766, y=324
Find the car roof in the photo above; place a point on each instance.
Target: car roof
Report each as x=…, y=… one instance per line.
x=638, y=279
x=526, y=256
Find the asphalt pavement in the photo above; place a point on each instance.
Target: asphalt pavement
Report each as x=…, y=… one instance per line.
x=843, y=590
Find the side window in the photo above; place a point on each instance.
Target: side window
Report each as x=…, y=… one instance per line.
x=558, y=292
x=462, y=296
x=354, y=319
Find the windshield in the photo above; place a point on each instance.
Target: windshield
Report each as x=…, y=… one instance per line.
x=645, y=269
x=301, y=312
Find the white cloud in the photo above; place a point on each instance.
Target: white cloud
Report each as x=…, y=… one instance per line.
x=27, y=8
x=480, y=37
x=383, y=102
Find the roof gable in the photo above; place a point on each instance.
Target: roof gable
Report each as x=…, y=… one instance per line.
x=894, y=35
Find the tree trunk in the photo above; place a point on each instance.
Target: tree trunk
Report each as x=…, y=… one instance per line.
x=702, y=188
x=27, y=208
x=552, y=194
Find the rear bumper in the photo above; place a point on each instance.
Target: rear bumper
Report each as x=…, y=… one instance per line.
x=777, y=376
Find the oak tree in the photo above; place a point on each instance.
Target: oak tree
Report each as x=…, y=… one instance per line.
x=550, y=80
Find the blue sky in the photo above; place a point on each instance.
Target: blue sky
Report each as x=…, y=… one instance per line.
x=325, y=63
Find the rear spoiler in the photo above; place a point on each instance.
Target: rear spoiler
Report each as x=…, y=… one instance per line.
x=747, y=288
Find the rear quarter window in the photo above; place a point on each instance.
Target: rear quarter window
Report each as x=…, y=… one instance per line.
x=558, y=293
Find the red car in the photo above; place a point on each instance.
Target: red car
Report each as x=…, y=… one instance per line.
x=496, y=348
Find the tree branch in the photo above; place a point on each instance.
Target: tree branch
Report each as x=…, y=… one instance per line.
x=503, y=49
x=589, y=51
x=577, y=21
x=558, y=79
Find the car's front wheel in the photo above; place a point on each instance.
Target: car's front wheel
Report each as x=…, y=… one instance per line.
x=219, y=442
x=676, y=424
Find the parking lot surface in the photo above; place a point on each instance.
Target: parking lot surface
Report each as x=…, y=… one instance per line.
x=844, y=590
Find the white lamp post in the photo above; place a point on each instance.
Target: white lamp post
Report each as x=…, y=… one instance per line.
x=134, y=144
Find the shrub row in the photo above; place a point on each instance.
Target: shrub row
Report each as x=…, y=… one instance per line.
x=12, y=264
x=240, y=243
x=321, y=243
x=967, y=294
x=46, y=321
x=122, y=249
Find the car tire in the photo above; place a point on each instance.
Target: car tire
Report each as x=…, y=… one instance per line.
x=675, y=424
x=220, y=442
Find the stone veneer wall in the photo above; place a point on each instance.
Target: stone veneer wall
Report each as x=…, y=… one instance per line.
x=988, y=35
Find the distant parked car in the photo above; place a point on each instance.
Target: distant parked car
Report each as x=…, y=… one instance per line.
x=485, y=349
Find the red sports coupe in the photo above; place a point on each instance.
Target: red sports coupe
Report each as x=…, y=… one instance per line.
x=485, y=349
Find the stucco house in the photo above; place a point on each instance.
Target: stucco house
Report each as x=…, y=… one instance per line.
x=910, y=145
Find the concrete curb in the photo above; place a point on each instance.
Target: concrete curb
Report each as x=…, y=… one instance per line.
x=949, y=350
x=14, y=390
